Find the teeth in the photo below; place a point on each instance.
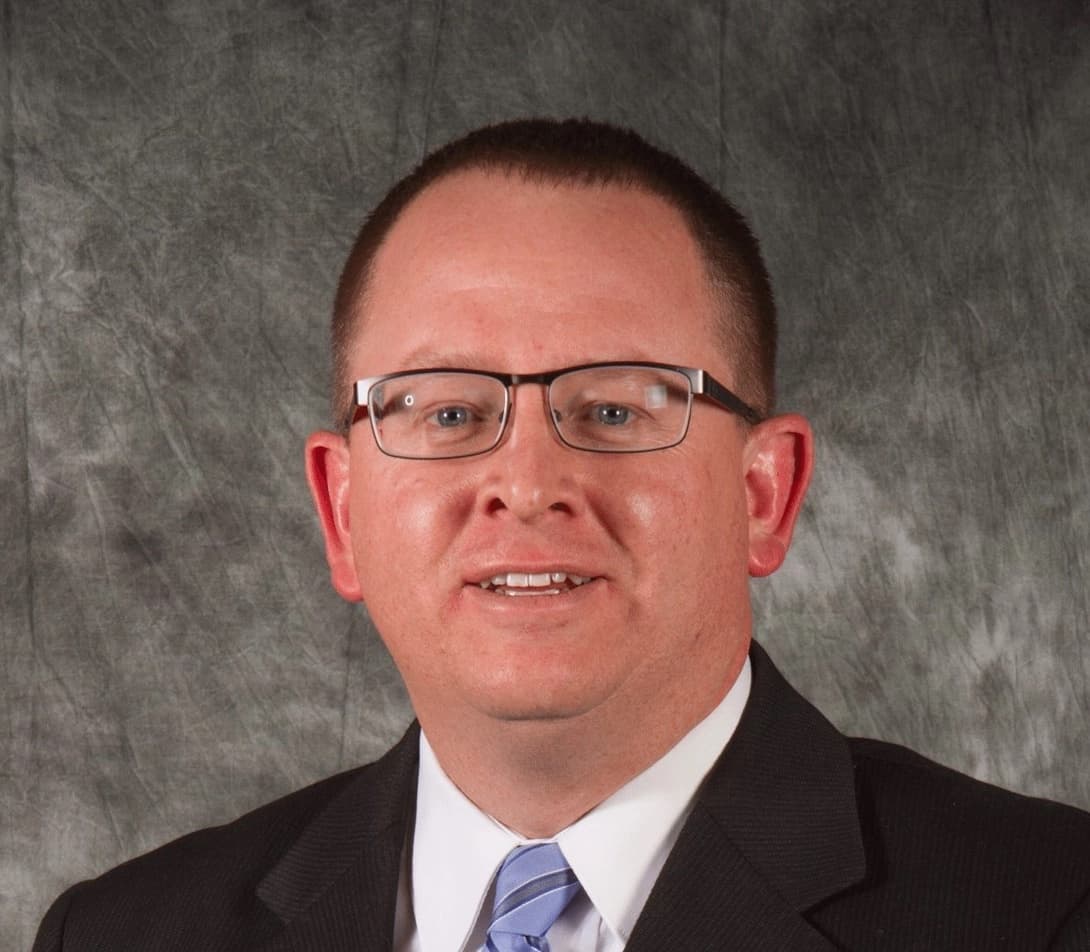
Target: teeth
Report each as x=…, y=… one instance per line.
x=511, y=580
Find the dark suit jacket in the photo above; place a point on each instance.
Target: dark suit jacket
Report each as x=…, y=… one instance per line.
x=801, y=840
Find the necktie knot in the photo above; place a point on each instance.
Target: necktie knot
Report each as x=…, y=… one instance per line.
x=533, y=887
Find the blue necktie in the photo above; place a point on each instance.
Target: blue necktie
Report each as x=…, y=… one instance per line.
x=533, y=887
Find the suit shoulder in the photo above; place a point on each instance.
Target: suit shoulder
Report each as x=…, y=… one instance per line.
x=896, y=771
x=919, y=808
x=265, y=827
x=956, y=863
x=214, y=856
x=199, y=889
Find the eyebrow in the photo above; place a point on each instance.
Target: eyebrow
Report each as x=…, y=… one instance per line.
x=430, y=357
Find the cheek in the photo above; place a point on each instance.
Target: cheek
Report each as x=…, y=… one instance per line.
x=680, y=495
x=409, y=521
x=659, y=521
x=418, y=510
x=647, y=506
x=686, y=524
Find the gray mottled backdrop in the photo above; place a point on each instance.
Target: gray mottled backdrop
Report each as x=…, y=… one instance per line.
x=180, y=183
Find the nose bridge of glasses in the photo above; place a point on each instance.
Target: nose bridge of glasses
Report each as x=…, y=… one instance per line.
x=542, y=382
x=605, y=407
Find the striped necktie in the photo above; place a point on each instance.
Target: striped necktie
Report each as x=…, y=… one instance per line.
x=533, y=887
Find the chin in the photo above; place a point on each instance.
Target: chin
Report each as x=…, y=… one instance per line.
x=540, y=712
x=537, y=700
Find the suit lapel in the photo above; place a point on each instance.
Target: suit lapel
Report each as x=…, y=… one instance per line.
x=773, y=833
x=710, y=896
x=335, y=889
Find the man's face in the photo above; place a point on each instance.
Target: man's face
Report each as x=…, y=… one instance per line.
x=488, y=272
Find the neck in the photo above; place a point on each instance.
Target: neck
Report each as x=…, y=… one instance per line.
x=537, y=777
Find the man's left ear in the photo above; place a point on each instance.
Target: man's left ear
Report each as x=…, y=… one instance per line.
x=779, y=457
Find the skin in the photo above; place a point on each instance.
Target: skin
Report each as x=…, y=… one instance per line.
x=539, y=708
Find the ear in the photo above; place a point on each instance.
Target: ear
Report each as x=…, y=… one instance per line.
x=779, y=457
x=328, y=476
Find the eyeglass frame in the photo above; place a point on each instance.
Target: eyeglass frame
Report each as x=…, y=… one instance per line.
x=701, y=384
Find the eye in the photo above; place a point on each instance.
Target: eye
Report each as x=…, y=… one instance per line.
x=451, y=416
x=611, y=414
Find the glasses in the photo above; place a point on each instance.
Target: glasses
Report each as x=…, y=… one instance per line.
x=632, y=407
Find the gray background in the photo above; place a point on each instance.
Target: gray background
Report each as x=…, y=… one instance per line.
x=179, y=189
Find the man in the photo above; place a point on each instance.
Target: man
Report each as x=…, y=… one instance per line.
x=557, y=469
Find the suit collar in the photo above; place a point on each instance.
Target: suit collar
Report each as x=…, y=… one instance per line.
x=336, y=887
x=774, y=832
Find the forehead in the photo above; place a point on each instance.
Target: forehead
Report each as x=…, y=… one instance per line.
x=528, y=276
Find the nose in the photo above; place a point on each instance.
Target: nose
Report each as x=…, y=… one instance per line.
x=531, y=474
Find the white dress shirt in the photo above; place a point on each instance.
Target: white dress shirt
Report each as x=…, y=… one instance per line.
x=617, y=850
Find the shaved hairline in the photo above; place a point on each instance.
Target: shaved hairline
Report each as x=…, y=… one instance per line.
x=581, y=153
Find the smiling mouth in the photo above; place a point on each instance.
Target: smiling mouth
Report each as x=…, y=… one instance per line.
x=535, y=583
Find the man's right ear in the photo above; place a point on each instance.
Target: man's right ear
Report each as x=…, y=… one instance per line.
x=328, y=476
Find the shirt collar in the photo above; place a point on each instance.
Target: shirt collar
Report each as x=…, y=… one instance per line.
x=617, y=850
x=456, y=851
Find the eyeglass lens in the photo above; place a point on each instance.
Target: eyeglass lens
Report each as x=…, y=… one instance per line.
x=609, y=409
x=437, y=415
x=620, y=409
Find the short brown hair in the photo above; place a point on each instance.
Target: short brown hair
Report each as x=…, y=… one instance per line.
x=582, y=152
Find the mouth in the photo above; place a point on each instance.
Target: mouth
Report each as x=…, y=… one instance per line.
x=534, y=583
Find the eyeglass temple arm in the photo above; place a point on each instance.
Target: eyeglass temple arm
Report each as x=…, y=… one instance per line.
x=358, y=406
x=707, y=385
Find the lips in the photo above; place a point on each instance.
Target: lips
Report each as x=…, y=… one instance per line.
x=553, y=582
